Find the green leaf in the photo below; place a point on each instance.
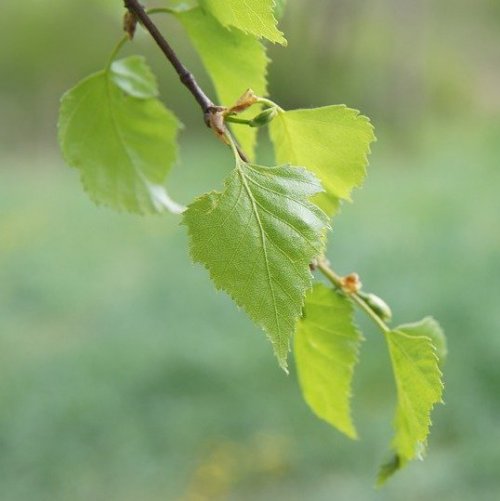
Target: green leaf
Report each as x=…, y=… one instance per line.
x=387, y=470
x=256, y=239
x=235, y=62
x=251, y=16
x=326, y=351
x=333, y=142
x=122, y=141
x=430, y=328
x=419, y=388
x=134, y=77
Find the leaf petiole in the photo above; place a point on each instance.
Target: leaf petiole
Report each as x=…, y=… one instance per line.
x=354, y=296
x=269, y=103
x=160, y=10
x=118, y=47
x=236, y=120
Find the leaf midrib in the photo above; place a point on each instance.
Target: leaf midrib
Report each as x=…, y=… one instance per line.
x=264, y=245
x=115, y=127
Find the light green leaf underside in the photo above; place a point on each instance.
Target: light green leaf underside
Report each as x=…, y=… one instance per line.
x=251, y=16
x=256, y=239
x=333, y=142
x=123, y=146
x=419, y=388
x=429, y=327
x=134, y=77
x=235, y=62
x=326, y=351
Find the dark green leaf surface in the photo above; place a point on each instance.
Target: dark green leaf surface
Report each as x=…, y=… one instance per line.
x=257, y=239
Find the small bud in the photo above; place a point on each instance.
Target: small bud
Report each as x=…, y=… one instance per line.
x=264, y=118
x=129, y=24
x=351, y=283
x=244, y=102
x=214, y=119
x=378, y=306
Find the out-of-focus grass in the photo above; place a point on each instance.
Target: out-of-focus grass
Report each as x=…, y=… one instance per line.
x=124, y=375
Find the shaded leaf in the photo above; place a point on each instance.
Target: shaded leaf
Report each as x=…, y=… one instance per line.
x=391, y=466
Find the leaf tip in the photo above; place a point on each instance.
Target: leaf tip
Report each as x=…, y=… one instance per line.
x=387, y=470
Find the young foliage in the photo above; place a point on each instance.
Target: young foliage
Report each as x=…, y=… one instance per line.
x=429, y=327
x=121, y=138
x=326, y=351
x=251, y=16
x=419, y=387
x=333, y=142
x=261, y=236
x=234, y=60
x=257, y=239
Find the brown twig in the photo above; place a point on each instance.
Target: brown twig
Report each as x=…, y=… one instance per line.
x=186, y=77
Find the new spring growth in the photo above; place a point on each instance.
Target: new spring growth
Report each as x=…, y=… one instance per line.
x=377, y=305
x=263, y=118
x=247, y=100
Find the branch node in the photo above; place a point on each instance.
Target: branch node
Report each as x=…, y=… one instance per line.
x=129, y=24
x=214, y=118
x=351, y=283
x=186, y=77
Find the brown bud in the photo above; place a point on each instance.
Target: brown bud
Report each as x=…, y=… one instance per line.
x=351, y=283
x=129, y=24
x=244, y=102
x=215, y=120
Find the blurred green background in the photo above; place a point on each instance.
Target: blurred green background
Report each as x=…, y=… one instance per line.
x=123, y=375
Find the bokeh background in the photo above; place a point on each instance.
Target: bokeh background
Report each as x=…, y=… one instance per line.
x=123, y=375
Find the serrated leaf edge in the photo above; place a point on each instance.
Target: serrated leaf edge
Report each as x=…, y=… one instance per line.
x=158, y=206
x=358, y=116
x=282, y=359
x=353, y=434
x=402, y=461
